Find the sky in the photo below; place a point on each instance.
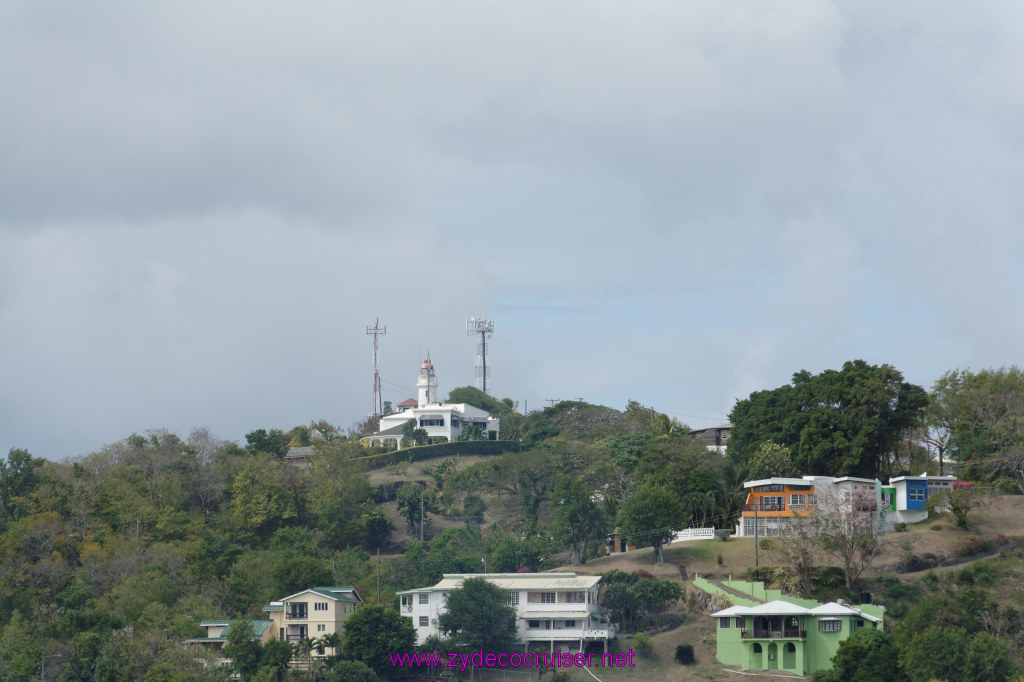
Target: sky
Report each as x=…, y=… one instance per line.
x=204, y=205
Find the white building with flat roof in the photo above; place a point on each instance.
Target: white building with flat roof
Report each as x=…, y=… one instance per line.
x=443, y=422
x=550, y=607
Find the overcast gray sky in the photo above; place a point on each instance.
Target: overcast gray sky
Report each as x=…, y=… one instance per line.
x=203, y=205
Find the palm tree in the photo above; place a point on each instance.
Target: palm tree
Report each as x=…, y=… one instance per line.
x=331, y=640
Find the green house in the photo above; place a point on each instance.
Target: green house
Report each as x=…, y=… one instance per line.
x=780, y=635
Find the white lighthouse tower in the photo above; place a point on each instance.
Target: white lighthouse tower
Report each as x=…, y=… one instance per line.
x=427, y=384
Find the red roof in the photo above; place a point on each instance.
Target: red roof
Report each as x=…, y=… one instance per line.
x=410, y=401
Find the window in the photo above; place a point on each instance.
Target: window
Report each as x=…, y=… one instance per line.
x=773, y=503
x=533, y=624
x=770, y=488
x=830, y=625
x=790, y=647
x=723, y=623
x=570, y=623
x=320, y=606
x=432, y=420
x=512, y=599
x=757, y=648
x=424, y=621
x=424, y=598
x=739, y=621
x=547, y=597
x=798, y=501
x=916, y=494
x=321, y=628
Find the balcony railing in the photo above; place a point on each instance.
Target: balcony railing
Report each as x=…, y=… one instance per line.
x=785, y=633
x=764, y=507
x=296, y=615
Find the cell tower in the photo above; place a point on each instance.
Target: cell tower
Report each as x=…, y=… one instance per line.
x=485, y=328
x=376, y=331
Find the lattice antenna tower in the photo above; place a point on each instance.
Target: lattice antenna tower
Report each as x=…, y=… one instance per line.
x=485, y=328
x=376, y=331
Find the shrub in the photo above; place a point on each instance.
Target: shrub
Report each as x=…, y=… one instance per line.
x=985, y=574
x=684, y=654
x=899, y=527
x=970, y=546
x=765, y=544
x=719, y=560
x=642, y=645
x=936, y=527
x=965, y=576
x=641, y=573
x=723, y=534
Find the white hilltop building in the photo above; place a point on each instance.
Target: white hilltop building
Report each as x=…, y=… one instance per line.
x=443, y=422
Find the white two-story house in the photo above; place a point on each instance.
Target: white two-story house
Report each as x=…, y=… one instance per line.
x=550, y=607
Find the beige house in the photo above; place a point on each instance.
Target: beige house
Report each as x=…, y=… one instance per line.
x=312, y=613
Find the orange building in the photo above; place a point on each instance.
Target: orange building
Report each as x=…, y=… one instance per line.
x=774, y=502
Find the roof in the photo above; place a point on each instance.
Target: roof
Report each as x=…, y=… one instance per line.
x=410, y=401
x=259, y=628
x=785, y=608
x=836, y=609
x=772, y=608
x=335, y=593
x=780, y=481
x=511, y=581
x=299, y=453
x=923, y=477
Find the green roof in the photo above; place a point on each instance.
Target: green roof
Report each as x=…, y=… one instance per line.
x=259, y=627
x=274, y=607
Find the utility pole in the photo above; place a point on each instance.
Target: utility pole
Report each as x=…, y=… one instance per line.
x=378, y=575
x=376, y=331
x=421, y=517
x=757, y=574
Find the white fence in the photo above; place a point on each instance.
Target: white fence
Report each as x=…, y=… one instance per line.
x=694, y=534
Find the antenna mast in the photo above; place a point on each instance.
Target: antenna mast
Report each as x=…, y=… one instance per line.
x=376, y=331
x=485, y=328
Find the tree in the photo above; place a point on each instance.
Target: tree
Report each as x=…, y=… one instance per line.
x=847, y=530
x=244, y=650
x=472, y=432
x=771, y=460
x=374, y=631
x=837, y=423
x=276, y=442
x=415, y=504
x=980, y=418
x=377, y=528
x=867, y=654
x=650, y=517
x=478, y=617
x=259, y=500
x=579, y=519
x=18, y=477
x=797, y=546
x=349, y=671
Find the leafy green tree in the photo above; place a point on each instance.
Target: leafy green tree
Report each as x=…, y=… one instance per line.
x=243, y=648
x=377, y=528
x=579, y=518
x=938, y=653
x=471, y=432
x=650, y=517
x=18, y=477
x=866, y=655
x=837, y=423
x=473, y=508
x=415, y=504
x=980, y=418
x=374, y=631
x=988, y=660
x=259, y=500
x=275, y=442
x=771, y=460
x=350, y=671
x=479, y=618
